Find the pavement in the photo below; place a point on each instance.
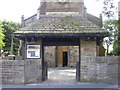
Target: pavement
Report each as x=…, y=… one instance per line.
x=64, y=77
x=80, y=85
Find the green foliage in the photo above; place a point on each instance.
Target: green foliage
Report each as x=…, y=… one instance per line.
x=9, y=29
x=116, y=48
x=2, y=36
x=112, y=27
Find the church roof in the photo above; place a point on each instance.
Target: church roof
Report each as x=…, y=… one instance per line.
x=56, y=24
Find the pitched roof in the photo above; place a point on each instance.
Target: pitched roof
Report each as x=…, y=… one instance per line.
x=56, y=24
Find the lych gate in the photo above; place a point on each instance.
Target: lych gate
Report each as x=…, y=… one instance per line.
x=62, y=40
x=61, y=26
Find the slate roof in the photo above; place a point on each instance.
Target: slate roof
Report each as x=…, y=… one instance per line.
x=56, y=24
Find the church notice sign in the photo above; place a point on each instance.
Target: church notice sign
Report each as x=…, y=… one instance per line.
x=33, y=51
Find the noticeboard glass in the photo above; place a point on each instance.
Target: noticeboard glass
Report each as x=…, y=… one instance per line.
x=33, y=51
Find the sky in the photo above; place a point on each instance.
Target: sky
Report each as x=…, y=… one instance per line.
x=12, y=10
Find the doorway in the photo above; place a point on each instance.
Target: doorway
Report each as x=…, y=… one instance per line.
x=62, y=56
x=65, y=59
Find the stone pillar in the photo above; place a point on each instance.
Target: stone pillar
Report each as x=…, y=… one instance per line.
x=88, y=47
x=40, y=60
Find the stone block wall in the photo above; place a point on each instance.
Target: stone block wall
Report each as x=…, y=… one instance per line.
x=88, y=48
x=12, y=71
x=73, y=55
x=20, y=71
x=93, y=69
x=99, y=69
x=61, y=7
x=49, y=55
x=33, y=71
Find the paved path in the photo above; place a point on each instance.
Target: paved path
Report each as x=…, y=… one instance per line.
x=63, y=77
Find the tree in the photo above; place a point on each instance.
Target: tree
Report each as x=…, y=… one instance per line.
x=109, y=12
x=116, y=48
x=112, y=27
x=2, y=44
x=116, y=45
x=108, y=8
x=1, y=38
x=9, y=29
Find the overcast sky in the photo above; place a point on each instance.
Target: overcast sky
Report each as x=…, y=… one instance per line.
x=12, y=10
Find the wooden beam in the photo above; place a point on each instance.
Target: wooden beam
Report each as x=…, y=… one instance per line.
x=78, y=69
x=79, y=60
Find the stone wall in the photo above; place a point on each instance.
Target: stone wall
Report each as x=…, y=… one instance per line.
x=88, y=48
x=33, y=71
x=53, y=56
x=99, y=69
x=49, y=54
x=63, y=7
x=73, y=55
x=20, y=71
x=93, y=69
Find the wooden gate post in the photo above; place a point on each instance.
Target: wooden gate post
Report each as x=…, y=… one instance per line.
x=43, y=62
x=78, y=65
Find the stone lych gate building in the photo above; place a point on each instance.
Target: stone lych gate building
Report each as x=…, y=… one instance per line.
x=61, y=33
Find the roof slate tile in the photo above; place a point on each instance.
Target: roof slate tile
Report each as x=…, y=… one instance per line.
x=61, y=24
